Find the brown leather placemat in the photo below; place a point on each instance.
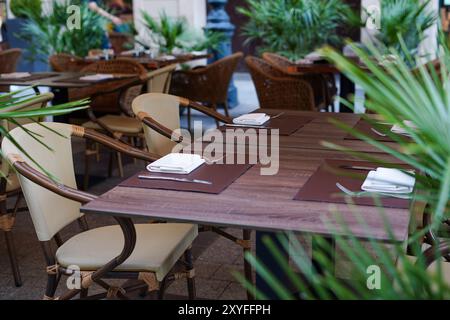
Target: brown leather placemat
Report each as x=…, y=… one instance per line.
x=321, y=186
x=33, y=77
x=365, y=127
x=221, y=176
x=287, y=124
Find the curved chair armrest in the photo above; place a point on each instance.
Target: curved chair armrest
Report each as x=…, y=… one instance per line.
x=113, y=144
x=158, y=127
x=205, y=110
x=41, y=179
x=436, y=252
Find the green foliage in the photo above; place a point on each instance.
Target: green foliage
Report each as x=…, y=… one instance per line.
x=50, y=34
x=295, y=28
x=26, y=8
x=174, y=33
x=408, y=19
x=15, y=98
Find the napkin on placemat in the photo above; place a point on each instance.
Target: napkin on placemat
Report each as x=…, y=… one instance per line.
x=386, y=180
x=401, y=130
x=15, y=75
x=166, y=58
x=253, y=119
x=179, y=163
x=97, y=77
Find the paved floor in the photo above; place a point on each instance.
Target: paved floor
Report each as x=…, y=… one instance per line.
x=215, y=257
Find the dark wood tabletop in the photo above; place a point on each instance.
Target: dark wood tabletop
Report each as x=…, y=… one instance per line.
x=58, y=80
x=155, y=63
x=260, y=202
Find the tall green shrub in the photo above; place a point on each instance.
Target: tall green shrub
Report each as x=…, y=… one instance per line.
x=295, y=28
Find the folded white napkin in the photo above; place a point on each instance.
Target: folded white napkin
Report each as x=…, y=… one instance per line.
x=15, y=75
x=166, y=58
x=97, y=77
x=401, y=130
x=254, y=119
x=180, y=163
x=389, y=181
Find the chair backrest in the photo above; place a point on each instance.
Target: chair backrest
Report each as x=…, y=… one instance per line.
x=159, y=80
x=49, y=211
x=39, y=101
x=208, y=84
x=163, y=108
x=275, y=90
x=64, y=62
x=109, y=102
x=277, y=60
x=9, y=59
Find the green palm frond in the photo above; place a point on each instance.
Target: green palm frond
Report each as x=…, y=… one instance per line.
x=9, y=100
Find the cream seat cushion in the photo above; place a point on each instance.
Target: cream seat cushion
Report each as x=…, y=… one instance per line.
x=158, y=247
x=13, y=182
x=117, y=123
x=433, y=268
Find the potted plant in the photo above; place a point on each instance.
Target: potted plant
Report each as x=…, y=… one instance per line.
x=174, y=35
x=295, y=28
x=23, y=10
x=55, y=37
x=408, y=19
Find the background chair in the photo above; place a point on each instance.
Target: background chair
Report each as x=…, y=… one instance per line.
x=64, y=62
x=8, y=63
x=160, y=118
x=110, y=110
x=9, y=184
x=277, y=91
x=207, y=85
x=323, y=85
x=146, y=252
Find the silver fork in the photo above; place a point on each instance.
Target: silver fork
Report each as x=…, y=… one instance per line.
x=277, y=116
x=209, y=161
x=358, y=194
x=378, y=132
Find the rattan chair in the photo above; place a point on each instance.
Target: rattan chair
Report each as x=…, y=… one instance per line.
x=110, y=110
x=323, y=85
x=160, y=118
x=277, y=91
x=64, y=62
x=147, y=252
x=8, y=63
x=207, y=85
x=9, y=184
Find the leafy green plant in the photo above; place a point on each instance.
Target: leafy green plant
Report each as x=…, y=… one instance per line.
x=408, y=19
x=170, y=34
x=50, y=34
x=26, y=8
x=295, y=28
x=9, y=100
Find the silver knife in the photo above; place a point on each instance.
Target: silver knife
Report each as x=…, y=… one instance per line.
x=357, y=168
x=175, y=179
x=246, y=126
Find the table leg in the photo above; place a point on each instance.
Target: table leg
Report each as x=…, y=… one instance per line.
x=265, y=257
x=348, y=89
x=61, y=96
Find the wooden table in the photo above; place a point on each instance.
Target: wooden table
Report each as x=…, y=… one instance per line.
x=265, y=203
x=155, y=63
